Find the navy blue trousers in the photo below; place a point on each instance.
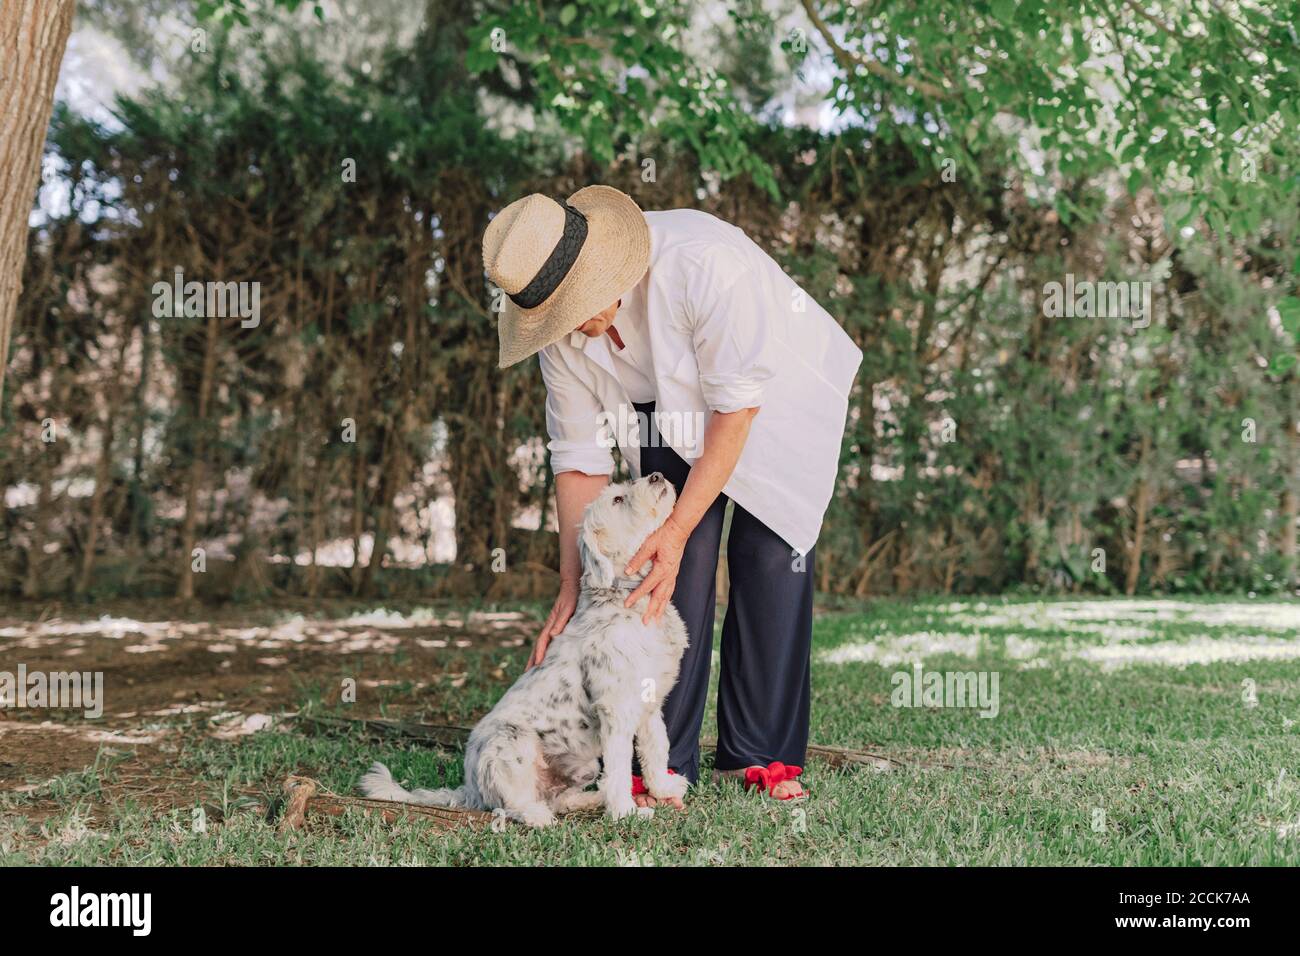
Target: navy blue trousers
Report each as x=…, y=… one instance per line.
x=763, y=690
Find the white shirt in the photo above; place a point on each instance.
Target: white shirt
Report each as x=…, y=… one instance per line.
x=726, y=330
x=633, y=361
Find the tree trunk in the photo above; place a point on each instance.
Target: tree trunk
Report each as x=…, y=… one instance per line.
x=135, y=489
x=390, y=465
x=358, y=514
x=33, y=583
x=1290, y=511
x=103, y=468
x=325, y=479
x=194, y=480
x=1140, y=503
x=33, y=36
x=103, y=471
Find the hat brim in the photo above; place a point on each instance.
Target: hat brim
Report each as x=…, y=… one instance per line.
x=614, y=257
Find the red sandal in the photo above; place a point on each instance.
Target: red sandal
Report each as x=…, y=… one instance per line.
x=639, y=787
x=766, y=778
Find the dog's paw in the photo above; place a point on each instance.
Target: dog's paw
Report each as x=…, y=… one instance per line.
x=539, y=816
x=621, y=809
x=668, y=786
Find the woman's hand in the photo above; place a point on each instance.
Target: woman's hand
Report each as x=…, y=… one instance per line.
x=565, y=604
x=665, y=548
x=724, y=439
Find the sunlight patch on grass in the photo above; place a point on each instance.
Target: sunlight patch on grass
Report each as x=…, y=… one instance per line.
x=1111, y=634
x=1199, y=650
x=904, y=648
x=357, y=633
x=1139, y=613
x=41, y=633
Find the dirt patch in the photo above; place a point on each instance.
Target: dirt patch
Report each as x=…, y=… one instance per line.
x=165, y=678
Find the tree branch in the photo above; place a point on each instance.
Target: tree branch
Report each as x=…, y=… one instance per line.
x=848, y=59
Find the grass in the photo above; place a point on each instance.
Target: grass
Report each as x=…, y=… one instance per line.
x=1112, y=745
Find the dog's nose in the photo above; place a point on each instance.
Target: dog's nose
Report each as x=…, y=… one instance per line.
x=655, y=478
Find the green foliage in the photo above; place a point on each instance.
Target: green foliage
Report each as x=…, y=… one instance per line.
x=611, y=72
x=237, y=11
x=1162, y=92
x=918, y=224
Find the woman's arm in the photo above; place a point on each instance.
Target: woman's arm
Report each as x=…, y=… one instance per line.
x=730, y=333
x=582, y=463
x=574, y=490
x=724, y=440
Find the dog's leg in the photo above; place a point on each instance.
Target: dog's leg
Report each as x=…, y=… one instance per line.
x=576, y=798
x=510, y=773
x=616, y=733
x=652, y=748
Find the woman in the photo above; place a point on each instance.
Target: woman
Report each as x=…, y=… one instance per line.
x=674, y=336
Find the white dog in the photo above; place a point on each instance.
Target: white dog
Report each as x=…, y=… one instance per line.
x=601, y=684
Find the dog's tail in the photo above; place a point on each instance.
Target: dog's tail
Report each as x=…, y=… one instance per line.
x=378, y=784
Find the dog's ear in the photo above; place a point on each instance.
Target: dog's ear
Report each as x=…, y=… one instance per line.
x=596, y=565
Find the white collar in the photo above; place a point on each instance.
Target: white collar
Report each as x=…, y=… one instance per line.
x=579, y=341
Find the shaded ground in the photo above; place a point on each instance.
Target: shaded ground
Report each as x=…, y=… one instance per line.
x=171, y=682
x=1125, y=733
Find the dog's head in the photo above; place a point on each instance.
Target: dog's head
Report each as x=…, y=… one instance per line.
x=617, y=523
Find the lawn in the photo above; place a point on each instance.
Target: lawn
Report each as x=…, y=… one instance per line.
x=1126, y=732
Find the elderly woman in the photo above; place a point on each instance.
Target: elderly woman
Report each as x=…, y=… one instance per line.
x=674, y=336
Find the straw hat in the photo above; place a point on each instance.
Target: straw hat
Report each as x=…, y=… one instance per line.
x=561, y=263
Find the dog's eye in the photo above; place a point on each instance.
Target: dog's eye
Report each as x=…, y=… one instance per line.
x=618, y=499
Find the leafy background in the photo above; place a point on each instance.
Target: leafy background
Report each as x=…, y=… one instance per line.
x=922, y=169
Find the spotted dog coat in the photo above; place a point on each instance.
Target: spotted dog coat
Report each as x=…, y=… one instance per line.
x=600, y=687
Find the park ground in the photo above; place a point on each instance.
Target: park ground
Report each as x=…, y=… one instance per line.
x=1127, y=732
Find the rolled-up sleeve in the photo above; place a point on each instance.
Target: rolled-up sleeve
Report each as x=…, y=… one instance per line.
x=731, y=338
x=574, y=416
